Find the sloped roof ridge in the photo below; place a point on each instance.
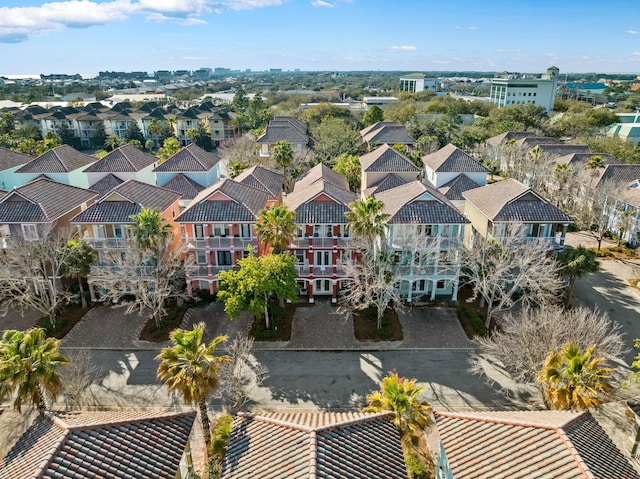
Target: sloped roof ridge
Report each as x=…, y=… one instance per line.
x=491, y=417
x=572, y=449
x=115, y=422
x=276, y=422
x=364, y=417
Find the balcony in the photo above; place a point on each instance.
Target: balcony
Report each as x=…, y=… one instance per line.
x=205, y=270
x=219, y=242
x=117, y=271
x=106, y=243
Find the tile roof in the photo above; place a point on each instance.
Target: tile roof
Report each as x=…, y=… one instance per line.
x=321, y=172
x=285, y=128
x=184, y=185
x=125, y=200
x=100, y=445
x=244, y=204
x=618, y=174
x=502, y=138
x=556, y=150
x=126, y=158
x=388, y=182
x=41, y=201
x=453, y=189
x=11, y=159
x=263, y=179
x=387, y=133
x=511, y=201
x=579, y=160
x=385, y=159
x=106, y=184
x=354, y=446
x=417, y=203
x=61, y=159
x=189, y=159
x=303, y=195
x=452, y=159
x=529, y=444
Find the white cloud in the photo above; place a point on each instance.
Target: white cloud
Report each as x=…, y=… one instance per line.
x=17, y=24
x=632, y=32
x=322, y=3
x=402, y=48
x=509, y=50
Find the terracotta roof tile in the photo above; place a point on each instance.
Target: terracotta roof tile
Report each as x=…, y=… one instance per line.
x=452, y=159
x=385, y=159
x=529, y=444
x=100, y=445
x=189, y=159
x=357, y=446
x=61, y=159
x=126, y=158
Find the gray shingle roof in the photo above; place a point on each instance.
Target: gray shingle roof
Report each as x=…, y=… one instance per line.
x=557, y=150
x=184, y=185
x=387, y=133
x=453, y=189
x=11, y=159
x=42, y=201
x=407, y=204
x=61, y=159
x=529, y=444
x=263, y=179
x=511, y=201
x=243, y=205
x=356, y=447
x=125, y=158
x=285, y=128
x=388, y=182
x=452, y=159
x=191, y=158
x=106, y=184
x=100, y=445
x=618, y=174
x=385, y=159
x=321, y=172
x=502, y=138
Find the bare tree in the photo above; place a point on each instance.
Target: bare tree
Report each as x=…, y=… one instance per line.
x=77, y=377
x=239, y=153
x=150, y=276
x=596, y=209
x=241, y=374
x=527, y=337
x=510, y=269
x=31, y=272
x=375, y=283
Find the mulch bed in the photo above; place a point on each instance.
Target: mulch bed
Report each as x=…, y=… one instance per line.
x=464, y=293
x=280, y=327
x=364, y=327
x=65, y=321
x=155, y=334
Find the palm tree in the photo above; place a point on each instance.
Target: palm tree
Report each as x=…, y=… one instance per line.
x=28, y=363
x=576, y=263
x=276, y=226
x=493, y=169
x=367, y=220
x=573, y=379
x=79, y=258
x=191, y=368
x=149, y=228
x=594, y=163
x=112, y=142
x=282, y=154
x=562, y=172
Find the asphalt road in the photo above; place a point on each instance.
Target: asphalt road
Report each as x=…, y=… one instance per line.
x=310, y=380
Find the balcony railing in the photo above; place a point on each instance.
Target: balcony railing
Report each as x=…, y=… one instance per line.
x=115, y=271
x=100, y=243
x=205, y=270
x=219, y=242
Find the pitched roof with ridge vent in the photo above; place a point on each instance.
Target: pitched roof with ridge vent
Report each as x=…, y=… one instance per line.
x=388, y=182
x=191, y=158
x=106, y=184
x=321, y=446
x=322, y=211
x=321, y=172
x=242, y=204
x=453, y=189
x=126, y=158
x=385, y=132
x=385, y=159
x=452, y=159
x=285, y=128
x=530, y=444
x=125, y=200
x=502, y=138
x=11, y=159
x=184, y=185
x=61, y=159
x=41, y=201
x=511, y=201
x=417, y=203
x=100, y=445
x=262, y=178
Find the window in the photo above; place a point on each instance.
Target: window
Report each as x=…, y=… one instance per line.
x=299, y=256
x=99, y=231
x=199, y=231
x=440, y=284
x=424, y=229
x=245, y=231
x=118, y=231
x=220, y=230
x=201, y=257
x=30, y=232
x=224, y=258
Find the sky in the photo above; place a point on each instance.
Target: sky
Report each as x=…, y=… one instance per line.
x=87, y=36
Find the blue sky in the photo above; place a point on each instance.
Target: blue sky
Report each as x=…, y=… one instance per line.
x=86, y=36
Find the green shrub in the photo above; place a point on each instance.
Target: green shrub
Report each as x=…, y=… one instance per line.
x=476, y=320
x=276, y=319
x=220, y=438
x=415, y=467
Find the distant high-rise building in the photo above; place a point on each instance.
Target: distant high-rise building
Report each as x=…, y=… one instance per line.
x=221, y=71
x=509, y=89
x=202, y=73
x=275, y=70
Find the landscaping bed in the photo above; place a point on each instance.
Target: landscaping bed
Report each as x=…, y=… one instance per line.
x=365, y=326
x=159, y=334
x=470, y=314
x=65, y=321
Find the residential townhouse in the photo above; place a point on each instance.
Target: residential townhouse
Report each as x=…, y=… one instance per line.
x=30, y=211
x=63, y=164
x=217, y=228
x=323, y=245
x=386, y=133
x=127, y=163
x=383, y=161
x=203, y=167
x=285, y=128
x=10, y=161
x=493, y=207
